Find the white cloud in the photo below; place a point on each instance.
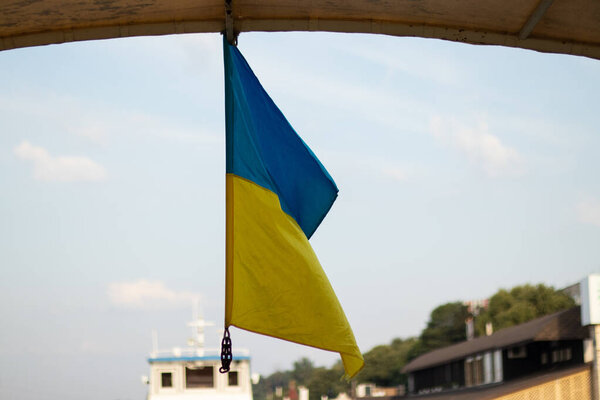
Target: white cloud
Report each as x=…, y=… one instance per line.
x=102, y=123
x=395, y=173
x=62, y=168
x=430, y=67
x=92, y=131
x=149, y=125
x=145, y=294
x=380, y=105
x=588, y=211
x=357, y=164
x=104, y=127
x=480, y=146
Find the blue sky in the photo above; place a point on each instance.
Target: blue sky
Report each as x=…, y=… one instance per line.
x=462, y=169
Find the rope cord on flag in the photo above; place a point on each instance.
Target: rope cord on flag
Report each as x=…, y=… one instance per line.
x=226, y=354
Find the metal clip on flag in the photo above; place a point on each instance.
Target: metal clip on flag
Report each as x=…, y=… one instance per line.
x=226, y=354
x=277, y=195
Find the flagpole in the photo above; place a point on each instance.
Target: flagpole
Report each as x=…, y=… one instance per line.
x=226, y=348
x=229, y=31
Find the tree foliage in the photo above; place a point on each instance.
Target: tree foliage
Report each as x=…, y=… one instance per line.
x=265, y=388
x=521, y=304
x=383, y=363
x=446, y=326
x=303, y=371
x=327, y=381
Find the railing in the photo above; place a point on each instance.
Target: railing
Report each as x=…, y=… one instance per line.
x=195, y=352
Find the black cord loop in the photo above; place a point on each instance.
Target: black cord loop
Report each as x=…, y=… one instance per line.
x=226, y=354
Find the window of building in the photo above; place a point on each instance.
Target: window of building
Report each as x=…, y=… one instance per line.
x=166, y=379
x=232, y=378
x=498, y=375
x=517, y=352
x=567, y=353
x=561, y=355
x=474, y=371
x=488, y=367
x=469, y=372
x=544, y=359
x=478, y=371
x=202, y=377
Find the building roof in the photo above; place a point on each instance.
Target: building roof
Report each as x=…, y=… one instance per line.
x=495, y=391
x=555, y=26
x=563, y=325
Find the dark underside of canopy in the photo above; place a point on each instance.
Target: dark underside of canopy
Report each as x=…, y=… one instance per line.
x=554, y=26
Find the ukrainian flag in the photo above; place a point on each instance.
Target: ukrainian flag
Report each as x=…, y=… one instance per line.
x=277, y=195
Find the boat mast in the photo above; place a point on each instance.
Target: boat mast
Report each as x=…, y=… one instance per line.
x=198, y=324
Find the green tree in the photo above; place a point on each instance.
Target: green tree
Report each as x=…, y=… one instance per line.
x=521, y=304
x=327, y=381
x=265, y=388
x=319, y=381
x=259, y=390
x=446, y=326
x=302, y=371
x=383, y=364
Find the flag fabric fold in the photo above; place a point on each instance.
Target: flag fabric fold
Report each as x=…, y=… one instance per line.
x=277, y=195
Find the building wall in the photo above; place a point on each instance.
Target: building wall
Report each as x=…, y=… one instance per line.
x=540, y=356
x=572, y=387
x=446, y=376
x=498, y=366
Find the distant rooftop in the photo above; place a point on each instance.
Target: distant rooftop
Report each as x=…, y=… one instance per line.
x=562, y=325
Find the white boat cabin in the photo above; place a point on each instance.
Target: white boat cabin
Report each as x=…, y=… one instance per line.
x=193, y=373
x=198, y=377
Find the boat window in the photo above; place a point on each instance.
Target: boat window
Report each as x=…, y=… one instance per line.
x=166, y=379
x=232, y=378
x=199, y=377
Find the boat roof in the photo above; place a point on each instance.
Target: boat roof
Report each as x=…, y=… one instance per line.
x=193, y=358
x=553, y=26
